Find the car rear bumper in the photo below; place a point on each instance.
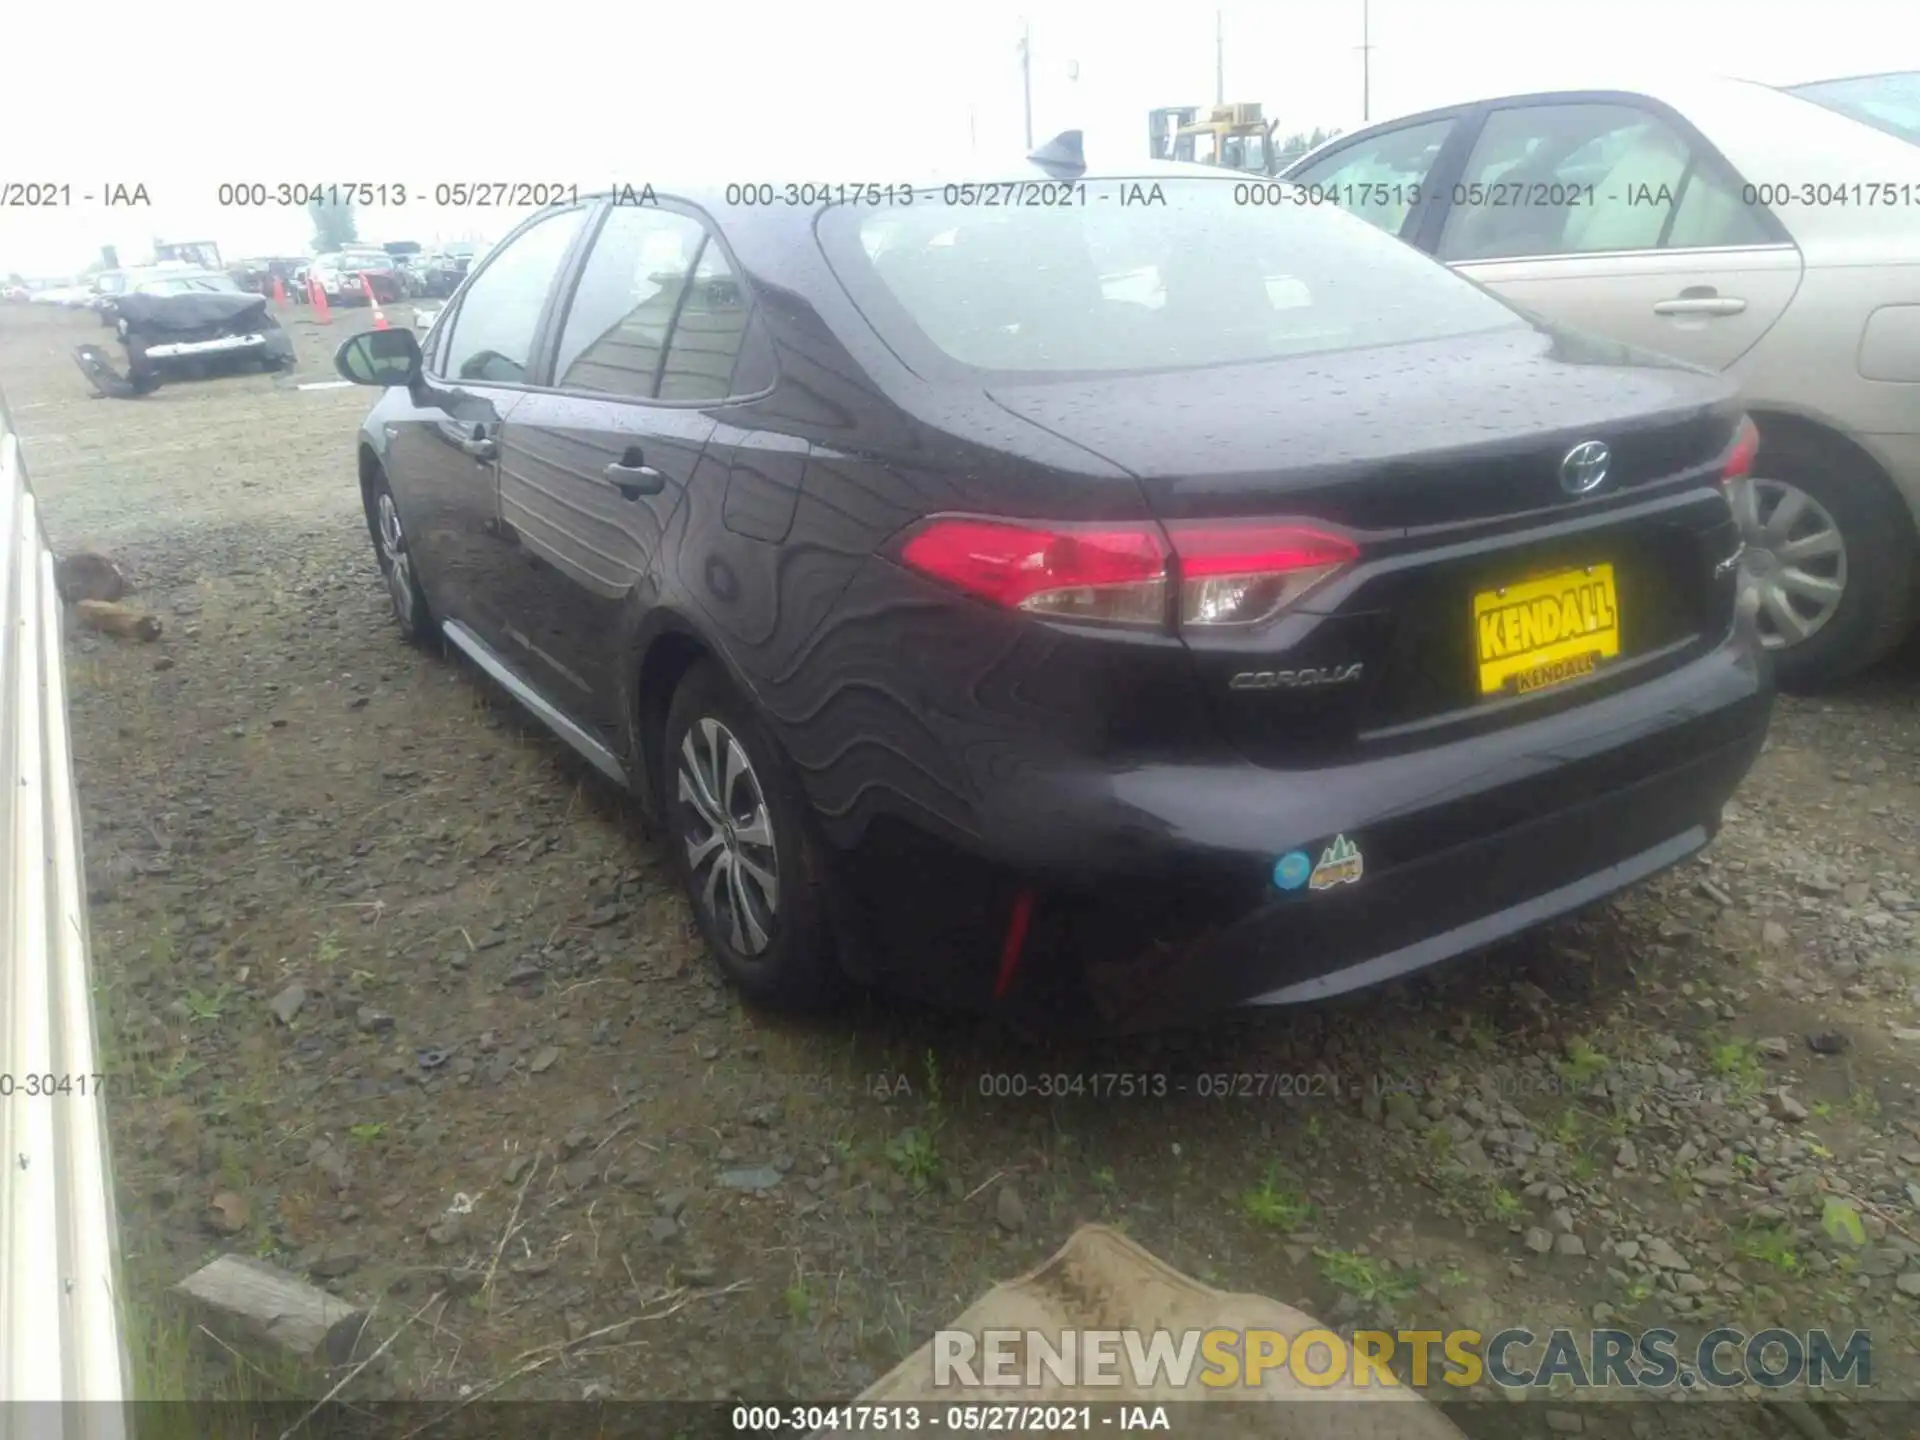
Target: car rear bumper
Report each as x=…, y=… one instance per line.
x=1155, y=889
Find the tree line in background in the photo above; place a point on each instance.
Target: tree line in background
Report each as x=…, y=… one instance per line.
x=1301, y=141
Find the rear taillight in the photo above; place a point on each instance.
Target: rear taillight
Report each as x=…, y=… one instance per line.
x=1227, y=572
x=1244, y=573
x=1111, y=573
x=1746, y=444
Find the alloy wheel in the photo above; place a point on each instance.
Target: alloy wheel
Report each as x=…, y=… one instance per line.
x=1793, y=569
x=728, y=836
x=393, y=558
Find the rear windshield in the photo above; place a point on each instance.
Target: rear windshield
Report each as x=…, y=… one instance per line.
x=1186, y=273
x=1886, y=102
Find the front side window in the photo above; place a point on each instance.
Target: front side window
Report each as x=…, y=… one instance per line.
x=1197, y=280
x=492, y=336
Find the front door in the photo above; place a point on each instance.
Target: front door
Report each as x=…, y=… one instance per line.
x=448, y=451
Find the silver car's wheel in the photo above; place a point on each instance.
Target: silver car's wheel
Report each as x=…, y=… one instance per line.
x=728, y=835
x=1793, y=570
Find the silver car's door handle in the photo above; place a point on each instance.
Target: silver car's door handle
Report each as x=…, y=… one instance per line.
x=1700, y=305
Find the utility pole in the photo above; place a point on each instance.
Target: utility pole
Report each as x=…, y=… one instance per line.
x=1219, y=59
x=1026, y=76
x=1366, y=63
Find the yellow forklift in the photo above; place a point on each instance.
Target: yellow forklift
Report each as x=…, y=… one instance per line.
x=1233, y=136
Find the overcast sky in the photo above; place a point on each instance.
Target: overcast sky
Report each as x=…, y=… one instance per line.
x=585, y=92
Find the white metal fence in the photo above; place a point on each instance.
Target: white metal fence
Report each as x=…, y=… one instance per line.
x=60, y=1322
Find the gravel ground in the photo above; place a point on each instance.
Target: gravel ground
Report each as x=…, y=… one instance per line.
x=397, y=993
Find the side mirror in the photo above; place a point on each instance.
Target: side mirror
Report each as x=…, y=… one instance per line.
x=380, y=357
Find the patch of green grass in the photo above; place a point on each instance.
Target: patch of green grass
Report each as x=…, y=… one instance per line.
x=915, y=1155
x=172, y=1078
x=799, y=1302
x=1770, y=1245
x=326, y=949
x=205, y=1006
x=1583, y=1064
x=1504, y=1205
x=1276, y=1202
x=1568, y=1127
x=1105, y=1182
x=1364, y=1278
x=1746, y=1164
x=1583, y=1167
x=1863, y=1103
x=1820, y=1110
x=367, y=1132
x=1738, y=1063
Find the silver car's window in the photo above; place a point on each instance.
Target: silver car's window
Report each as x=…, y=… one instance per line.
x=1886, y=102
x=1573, y=179
x=492, y=337
x=1379, y=178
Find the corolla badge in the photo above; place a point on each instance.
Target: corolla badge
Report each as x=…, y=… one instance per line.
x=1310, y=679
x=1584, y=468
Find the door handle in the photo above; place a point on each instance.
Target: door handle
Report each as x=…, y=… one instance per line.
x=633, y=477
x=1700, y=305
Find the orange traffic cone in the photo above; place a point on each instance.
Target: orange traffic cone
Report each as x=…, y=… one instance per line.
x=321, y=314
x=379, y=315
x=279, y=293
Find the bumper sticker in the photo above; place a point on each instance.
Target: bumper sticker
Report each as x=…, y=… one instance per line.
x=1290, y=871
x=1341, y=863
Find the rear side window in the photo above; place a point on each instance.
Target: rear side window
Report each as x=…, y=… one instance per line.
x=1199, y=279
x=492, y=335
x=659, y=314
x=1572, y=179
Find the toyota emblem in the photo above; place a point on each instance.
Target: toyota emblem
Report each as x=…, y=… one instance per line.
x=1584, y=469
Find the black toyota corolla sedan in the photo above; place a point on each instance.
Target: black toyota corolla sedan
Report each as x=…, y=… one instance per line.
x=1065, y=584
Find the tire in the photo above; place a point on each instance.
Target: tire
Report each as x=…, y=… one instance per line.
x=395, y=559
x=1826, y=495
x=773, y=941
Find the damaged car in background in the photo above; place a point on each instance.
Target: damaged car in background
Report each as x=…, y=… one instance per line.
x=179, y=330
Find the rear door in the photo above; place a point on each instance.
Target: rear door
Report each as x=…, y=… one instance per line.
x=596, y=465
x=1613, y=215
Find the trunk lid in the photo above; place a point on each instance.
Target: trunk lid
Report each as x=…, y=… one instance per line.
x=1444, y=462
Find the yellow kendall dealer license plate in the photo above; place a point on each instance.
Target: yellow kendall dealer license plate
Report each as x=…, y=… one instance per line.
x=1547, y=631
